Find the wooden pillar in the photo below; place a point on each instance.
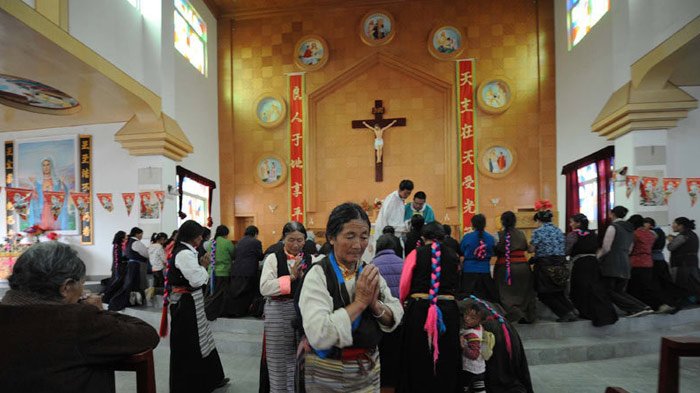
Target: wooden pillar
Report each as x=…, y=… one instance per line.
x=226, y=159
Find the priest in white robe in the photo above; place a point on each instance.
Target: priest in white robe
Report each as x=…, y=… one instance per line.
x=391, y=214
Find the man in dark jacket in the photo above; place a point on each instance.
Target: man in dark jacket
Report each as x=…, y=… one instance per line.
x=244, y=273
x=615, y=264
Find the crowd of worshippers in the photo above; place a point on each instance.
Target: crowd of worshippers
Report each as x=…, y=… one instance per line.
x=408, y=309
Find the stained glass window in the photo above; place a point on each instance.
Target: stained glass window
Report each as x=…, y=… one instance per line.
x=190, y=35
x=588, y=192
x=581, y=15
x=195, y=201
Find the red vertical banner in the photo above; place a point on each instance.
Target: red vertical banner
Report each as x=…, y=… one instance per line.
x=467, y=141
x=297, y=208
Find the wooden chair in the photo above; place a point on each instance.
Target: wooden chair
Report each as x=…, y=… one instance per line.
x=142, y=363
x=672, y=348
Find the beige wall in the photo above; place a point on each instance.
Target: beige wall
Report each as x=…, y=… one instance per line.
x=507, y=38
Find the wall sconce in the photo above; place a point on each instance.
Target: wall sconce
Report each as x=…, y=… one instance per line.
x=446, y=219
x=311, y=221
x=272, y=207
x=495, y=201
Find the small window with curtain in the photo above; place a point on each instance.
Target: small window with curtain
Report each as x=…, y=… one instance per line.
x=590, y=189
x=195, y=197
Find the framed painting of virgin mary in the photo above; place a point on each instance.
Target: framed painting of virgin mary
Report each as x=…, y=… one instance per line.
x=49, y=167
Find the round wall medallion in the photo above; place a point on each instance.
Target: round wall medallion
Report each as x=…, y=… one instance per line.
x=495, y=95
x=377, y=27
x=311, y=52
x=270, y=170
x=445, y=42
x=497, y=160
x=270, y=110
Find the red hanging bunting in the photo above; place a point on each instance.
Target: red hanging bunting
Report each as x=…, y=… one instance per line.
x=160, y=195
x=81, y=201
x=128, y=201
x=106, y=201
x=671, y=184
x=467, y=141
x=296, y=146
x=693, y=184
x=630, y=184
x=18, y=200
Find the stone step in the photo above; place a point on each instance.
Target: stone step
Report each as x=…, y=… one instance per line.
x=584, y=328
x=581, y=349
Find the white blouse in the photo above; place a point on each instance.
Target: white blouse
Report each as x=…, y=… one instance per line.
x=156, y=255
x=325, y=327
x=269, y=283
x=188, y=263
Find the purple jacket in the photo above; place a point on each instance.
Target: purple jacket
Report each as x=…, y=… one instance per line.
x=390, y=266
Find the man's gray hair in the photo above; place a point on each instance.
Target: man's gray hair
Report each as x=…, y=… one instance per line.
x=44, y=267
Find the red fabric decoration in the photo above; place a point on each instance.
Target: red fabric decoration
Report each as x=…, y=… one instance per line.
x=543, y=205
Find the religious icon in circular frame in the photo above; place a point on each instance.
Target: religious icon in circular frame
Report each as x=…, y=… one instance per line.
x=270, y=170
x=377, y=27
x=445, y=42
x=270, y=110
x=28, y=95
x=311, y=52
x=497, y=160
x=495, y=95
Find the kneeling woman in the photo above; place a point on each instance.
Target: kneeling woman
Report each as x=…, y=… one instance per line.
x=345, y=306
x=429, y=280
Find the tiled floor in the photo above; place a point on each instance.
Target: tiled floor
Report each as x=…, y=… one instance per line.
x=637, y=374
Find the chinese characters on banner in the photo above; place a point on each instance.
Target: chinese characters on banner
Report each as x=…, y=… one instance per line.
x=296, y=146
x=467, y=145
x=85, y=220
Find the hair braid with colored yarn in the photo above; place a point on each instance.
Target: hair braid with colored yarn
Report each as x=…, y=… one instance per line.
x=509, y=277
x=581, y=233
x=213, y=266
x=163, y=331
x=495, y=315
x=434, y=324
x=480, y=251
x=115, y=258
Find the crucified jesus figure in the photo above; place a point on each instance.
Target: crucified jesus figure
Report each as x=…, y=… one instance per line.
x=378, y=141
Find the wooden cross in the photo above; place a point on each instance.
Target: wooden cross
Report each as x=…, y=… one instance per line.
x=378, y=125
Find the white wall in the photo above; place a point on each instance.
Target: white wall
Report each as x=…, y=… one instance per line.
x=682, y=152
x=587, y=75
x=121, y=34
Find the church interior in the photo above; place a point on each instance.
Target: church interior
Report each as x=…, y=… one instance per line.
x=149, y=113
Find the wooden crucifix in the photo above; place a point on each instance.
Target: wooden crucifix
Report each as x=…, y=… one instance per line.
x=378, y=125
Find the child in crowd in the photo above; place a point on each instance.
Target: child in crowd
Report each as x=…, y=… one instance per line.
x=471, y=335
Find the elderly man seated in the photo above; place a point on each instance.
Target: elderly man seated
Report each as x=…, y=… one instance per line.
x=54, y=338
